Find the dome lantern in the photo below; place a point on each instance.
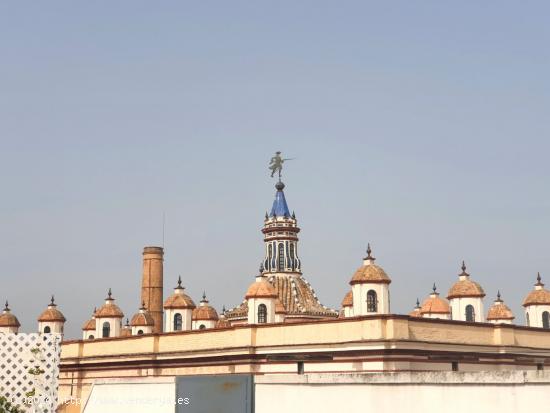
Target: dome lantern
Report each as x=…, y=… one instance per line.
x=466, y=298
x=370, y=288
x=179, y=309
x=537, y=306
x=51, y=320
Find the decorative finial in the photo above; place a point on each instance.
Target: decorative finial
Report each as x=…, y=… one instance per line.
x=266, y=215
x=179, y=282
x=539, y=279
x=203, y=297
x=369, y=253
x=142, y=305
x=417, y=303
x=7, y=308
x=498, y=296
x=109, y=294
x=95, y=311
x=223, y=309
x=52, y=301
x=434, y=288
x=127, y=323
x=463, y=266
x=261, y=268
x=293, y=215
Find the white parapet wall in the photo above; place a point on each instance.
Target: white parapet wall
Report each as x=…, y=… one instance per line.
x=411, y=392
x=29, y=370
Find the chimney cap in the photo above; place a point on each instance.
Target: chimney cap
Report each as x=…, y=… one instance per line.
x=153, y=250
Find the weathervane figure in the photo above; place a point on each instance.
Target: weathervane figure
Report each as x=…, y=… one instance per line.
x=276, y=164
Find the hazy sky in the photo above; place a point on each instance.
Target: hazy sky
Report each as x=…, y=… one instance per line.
x=420, y=127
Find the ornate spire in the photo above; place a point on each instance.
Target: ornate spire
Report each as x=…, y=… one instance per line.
x=417, y=303
x=434, y=288
x=498, y=296
x=52, y=301
x=280, y=207
x=539, y=280
x=110, y=295
x=204, y=300
x=179, y=287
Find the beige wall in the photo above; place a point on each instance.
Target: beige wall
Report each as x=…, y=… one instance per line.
x=488, y=392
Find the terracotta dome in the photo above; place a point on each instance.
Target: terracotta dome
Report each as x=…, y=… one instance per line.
x=142, y=319
x=261, y=289
x=90, y=324
x=7, y=319
x=465, y=287
x=204, y=311
x=348, y=300
x=434, y=304
x=126, y=330
x=539, y=296
x=369, y=272
x=179, y=299
x=499, y=311
x=109, y=309
x=223, y=322
x=279, y=308
x=416, y=312
x=52, y=314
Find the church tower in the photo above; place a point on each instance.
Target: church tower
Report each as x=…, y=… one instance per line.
x=281, y=237
x=294, y=297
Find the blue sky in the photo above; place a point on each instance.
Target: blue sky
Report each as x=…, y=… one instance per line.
x=421, y=127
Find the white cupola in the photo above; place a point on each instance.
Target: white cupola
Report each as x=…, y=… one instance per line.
x=370, y=288
x=537, y=306
x=179, y=310
x=466, y=299
x=51, y=320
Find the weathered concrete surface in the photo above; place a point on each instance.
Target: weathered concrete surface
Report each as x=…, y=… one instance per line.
x=414, y=392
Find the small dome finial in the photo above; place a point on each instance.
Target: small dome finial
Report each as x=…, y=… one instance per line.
x=417, y=303
x=463, y=266
x=110, y=294
x=538, y=277
x=52, y=301
x=279, y=186
x=142, y=305
x=498, y=296
x=266, y=215
x=179, y=282
x=434, y=288
x=7, y=307
x=127, y=323
x=369, y=253
x=223, y=309
x=203, y=297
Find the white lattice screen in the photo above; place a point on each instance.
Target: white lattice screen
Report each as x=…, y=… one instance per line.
x=20, y=355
